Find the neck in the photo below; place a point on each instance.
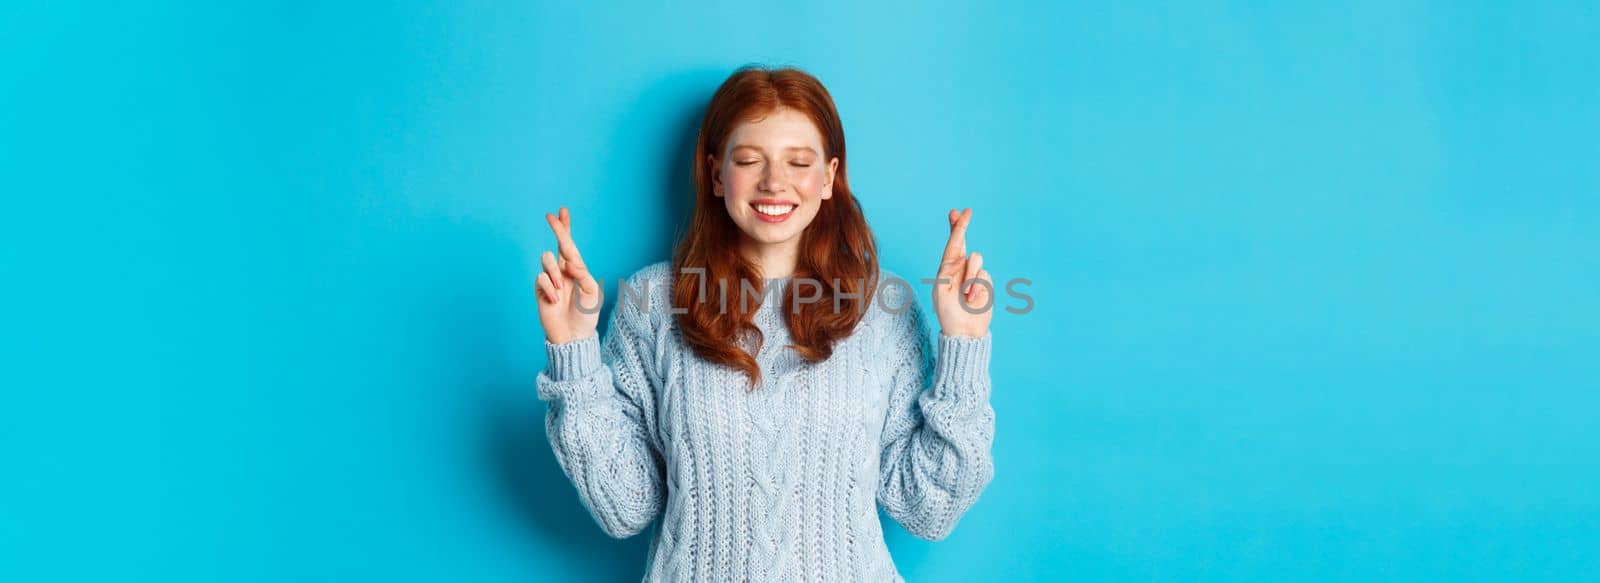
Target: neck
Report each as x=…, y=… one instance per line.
x=773, y=259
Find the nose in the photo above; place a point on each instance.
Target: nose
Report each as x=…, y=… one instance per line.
x=775, y=178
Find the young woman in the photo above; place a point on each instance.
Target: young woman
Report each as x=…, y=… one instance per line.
x=764, y=390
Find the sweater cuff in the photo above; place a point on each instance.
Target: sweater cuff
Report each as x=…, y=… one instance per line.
x=572, y=360
x=962, y=371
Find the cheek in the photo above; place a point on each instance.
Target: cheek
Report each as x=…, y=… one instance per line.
x=809, y=181
x=741, y=180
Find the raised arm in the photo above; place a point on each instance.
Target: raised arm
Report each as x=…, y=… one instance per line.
x=601, y=396
x=938, y=436
x=601, y=423
x=939, y=433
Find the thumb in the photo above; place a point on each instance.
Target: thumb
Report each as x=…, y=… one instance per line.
x=587, y=284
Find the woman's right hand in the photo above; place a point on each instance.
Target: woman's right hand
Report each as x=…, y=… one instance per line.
x=569, y=298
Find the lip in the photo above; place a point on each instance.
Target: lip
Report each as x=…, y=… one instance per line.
x=770, y=219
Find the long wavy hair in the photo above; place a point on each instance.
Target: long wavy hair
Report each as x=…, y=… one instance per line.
x=837, y=250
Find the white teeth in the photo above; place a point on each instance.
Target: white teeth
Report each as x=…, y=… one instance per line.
x=775, y=210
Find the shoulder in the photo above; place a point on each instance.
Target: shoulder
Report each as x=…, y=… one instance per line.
x=894, y=311
x=895, y=294
x=644, y=297
x=658, y=274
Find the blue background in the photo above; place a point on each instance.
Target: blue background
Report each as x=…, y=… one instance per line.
x=1317, y=288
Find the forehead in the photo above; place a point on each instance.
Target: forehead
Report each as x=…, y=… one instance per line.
x=782, y=129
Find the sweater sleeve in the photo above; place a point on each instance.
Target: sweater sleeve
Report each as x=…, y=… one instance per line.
x=939, y=433
x=601, y=422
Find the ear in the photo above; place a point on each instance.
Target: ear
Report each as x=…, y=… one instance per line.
x=827, y=185
x=716, y=175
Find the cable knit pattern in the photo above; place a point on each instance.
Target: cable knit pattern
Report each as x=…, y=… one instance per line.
x=779, y=484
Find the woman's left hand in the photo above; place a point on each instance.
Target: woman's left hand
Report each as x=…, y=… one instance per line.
x=962, y=301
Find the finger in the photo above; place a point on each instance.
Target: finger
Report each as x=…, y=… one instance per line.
x=562, y=226
x=974, y=265
x=956, y=247
x=580, y=275
x=545, y=287
x=951, y=219
x=572, y=261
x=587, y=284
x=961, y=229
x=951, y=245
x=955, y=253
x=980, y=292
x=548, y=259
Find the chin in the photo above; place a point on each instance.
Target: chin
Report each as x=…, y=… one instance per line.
x=767, y=233
x=770, y=236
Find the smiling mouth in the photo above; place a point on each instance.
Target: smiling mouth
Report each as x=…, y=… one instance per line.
x=774, y=210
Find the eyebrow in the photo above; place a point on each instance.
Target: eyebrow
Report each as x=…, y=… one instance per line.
x=758, y=148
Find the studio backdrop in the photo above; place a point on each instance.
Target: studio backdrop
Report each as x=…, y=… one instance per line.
x=1315, y=290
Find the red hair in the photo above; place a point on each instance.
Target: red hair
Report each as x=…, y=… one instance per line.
x=837, y=250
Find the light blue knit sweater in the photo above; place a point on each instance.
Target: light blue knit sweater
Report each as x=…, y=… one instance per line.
x=779, y=484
